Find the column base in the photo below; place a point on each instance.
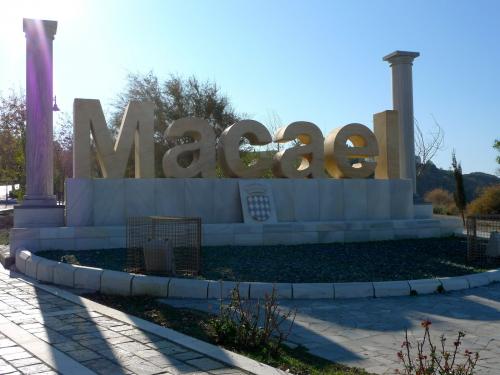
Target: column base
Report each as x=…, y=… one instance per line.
x=39, y=200
x=28, y=216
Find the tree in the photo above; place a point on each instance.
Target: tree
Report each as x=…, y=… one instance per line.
x=459, y=194
x=496, y=145
x=12, y=137
x=175, y=98
x=13, y=141
x=487, y=203
x=426, y=147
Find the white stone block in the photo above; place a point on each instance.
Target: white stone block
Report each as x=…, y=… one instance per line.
x=117, y=242
x=300, y=238
x=381, y=234
x=260, y=290
x=227, y=204
x=401, y=199
x=454, y=283
x=87, y=278
x=187, y=288
x=429, y=232
x=32, y=265
x=170, y=197
x=477, y=279
x=217, y=229
x=330, y=237
x=91, y=243
x=116, y=283
x=331, y=196
x=353, y=290
x=423, y=211
x=57, y=244
x=313, y=291
x=493, y=275
x=425, y=286
x=357, y=235
x=241, y=228
x=21, y=257
x=306, y=199
x=36, y=217
x=140, y=197
x=378, y=200
x=79, y=202
x=64, y=275
x=45, y=270
x=199, y=199
x=391, y=288
x=278, y=239
x=283, y=193
x=109, y=201
x=224, y=289
x=154, y=286
x=250, y=239
x=355, y=199
x=217, y=240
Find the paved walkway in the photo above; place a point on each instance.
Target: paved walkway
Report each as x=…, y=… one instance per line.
x=43, y=333
x=368, y=332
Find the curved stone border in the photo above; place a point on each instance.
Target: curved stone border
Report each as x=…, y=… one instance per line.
x=126, y=284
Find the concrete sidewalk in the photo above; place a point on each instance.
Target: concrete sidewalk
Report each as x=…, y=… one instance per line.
x=368, y=332
x=45, y=330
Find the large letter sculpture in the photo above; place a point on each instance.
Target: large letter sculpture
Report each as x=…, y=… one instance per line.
x=309, y=152
x=228, y=149
x=201, y=150
x=136, y=127
x=338, y=155
x=385, y=127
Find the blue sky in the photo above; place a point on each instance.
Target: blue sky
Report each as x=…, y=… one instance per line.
x=318, y=61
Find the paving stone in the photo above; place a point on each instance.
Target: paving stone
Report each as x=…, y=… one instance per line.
x=25, y=362
x=34, y=369
x=205, y=364
x=83, y=355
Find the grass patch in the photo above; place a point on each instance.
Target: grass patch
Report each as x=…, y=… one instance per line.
x=195, y=323
x=336, y=262
x=4, y=236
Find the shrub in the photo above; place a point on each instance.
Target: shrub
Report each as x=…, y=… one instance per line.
x=442, y=202
x=487, y=203
x=429, y=360
x=251, y=325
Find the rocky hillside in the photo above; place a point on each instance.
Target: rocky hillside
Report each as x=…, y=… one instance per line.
x=434, y=177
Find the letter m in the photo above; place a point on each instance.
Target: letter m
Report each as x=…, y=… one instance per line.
x=136, y=128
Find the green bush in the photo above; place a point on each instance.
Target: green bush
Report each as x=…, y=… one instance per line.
x=488, y=203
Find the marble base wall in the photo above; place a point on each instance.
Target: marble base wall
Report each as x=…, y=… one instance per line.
x=108, y=202
x=239, y=234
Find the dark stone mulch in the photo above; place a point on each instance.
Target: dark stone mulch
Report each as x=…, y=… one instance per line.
x=365, y=261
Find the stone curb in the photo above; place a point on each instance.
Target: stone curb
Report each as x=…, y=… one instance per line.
x=123, y=283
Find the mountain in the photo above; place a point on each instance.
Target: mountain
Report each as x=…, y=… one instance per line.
x=434, y=177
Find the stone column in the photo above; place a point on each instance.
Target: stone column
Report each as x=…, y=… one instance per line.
x=402, y=97
x=39, y=208
x=39, y=96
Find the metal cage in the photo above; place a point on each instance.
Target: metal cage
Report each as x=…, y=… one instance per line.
x=160, y=245
x=483, y=239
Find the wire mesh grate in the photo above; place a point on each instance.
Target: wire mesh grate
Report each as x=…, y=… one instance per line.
x=483, y=239
x=159, y=245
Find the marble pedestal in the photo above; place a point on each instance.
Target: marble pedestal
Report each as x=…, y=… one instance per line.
x=38, y=216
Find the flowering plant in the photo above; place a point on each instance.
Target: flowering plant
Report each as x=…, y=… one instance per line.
x=431, y=360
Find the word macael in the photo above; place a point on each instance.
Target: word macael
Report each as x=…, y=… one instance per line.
x=372, y=152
